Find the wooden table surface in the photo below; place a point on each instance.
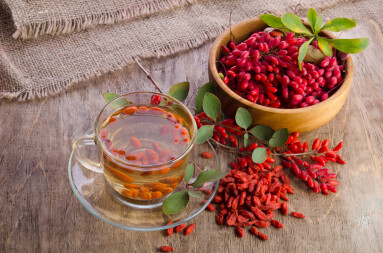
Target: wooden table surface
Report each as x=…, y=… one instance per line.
x=39, y=212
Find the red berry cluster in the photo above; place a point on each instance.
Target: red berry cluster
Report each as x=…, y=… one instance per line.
x=314, y=174
x=250, y=194
x=224, y=131
x=264, y=70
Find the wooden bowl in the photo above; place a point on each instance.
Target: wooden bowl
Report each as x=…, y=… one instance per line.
x=296, y=120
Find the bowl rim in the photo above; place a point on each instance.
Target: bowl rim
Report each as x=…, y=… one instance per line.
x=214, y=54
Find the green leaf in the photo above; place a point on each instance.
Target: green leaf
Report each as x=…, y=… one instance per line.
x=208, y=176
x=204, y=133
x=261, y=132
x=350, y=46
x=302, y=52
x=279, y=138
x=119, y=103
x=294, y=23
x=324, y=46
x=339, y=24
x=318, y=24
x=194, y=194
x=312, y=16
x=221, y=117
x=243, y=118
x=246, y=140
x=211, y=106
x=189, y=173
x=176, y=202
x=271, y=20
x=207, y=87
x=109, y=96
x=259, y=155
x=179, y=91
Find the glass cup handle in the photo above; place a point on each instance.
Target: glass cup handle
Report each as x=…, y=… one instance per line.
x=79, y=149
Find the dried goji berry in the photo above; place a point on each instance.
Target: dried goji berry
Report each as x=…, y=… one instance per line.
x=262, y=236
x=180, y=228
x=276, y=224
x=284, y=208
x=169, y=231
x=220, y=219
x=210, y=207
x=297, y=215
x=189, y=229
x=240, y=232
x=166, y=249
x=254, y=230
x=262, y=223
x=206, y=155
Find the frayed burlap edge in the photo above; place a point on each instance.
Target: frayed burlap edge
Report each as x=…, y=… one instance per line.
x=164, y=51
x=65, y=26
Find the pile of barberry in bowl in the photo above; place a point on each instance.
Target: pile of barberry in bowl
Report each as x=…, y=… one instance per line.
x=256, y=67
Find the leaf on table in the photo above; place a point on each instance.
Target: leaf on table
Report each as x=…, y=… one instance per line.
x=204, y=133
x=176, y=202
x=207, y=87
x=208, y=176
x=211, y=105
x=179, y=91
x=259, y=155
x=194, y=194
x=246, y=140
x=243, y=118
x=189, y=173
x=262, y=132
x=279, y=138
x=121, y=102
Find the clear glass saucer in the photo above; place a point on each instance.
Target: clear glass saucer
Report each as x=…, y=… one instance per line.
x=91, y=190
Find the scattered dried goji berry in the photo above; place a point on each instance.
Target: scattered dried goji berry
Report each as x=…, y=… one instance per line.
x=297, y=215
x=210, y=207
x=240, y=232
x=262, y=236
x=206, y=155
x=189, y=229
x=276, y=224
x=254, y=230
x=166, y=249
x=169, y=231
x=180, y=228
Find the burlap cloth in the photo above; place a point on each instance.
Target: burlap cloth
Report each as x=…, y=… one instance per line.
x=48, y=64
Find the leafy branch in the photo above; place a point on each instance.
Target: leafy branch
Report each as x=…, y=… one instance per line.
x=289, y=22
x=178, y=201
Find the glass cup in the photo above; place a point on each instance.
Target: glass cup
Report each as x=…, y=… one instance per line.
x=144, y=141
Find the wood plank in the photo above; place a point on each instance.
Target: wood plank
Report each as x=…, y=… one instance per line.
x=40, y=212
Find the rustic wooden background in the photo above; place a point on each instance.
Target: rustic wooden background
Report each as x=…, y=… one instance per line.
x=39, y=213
